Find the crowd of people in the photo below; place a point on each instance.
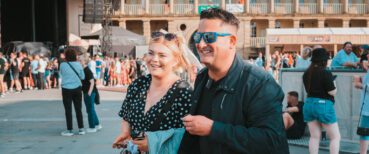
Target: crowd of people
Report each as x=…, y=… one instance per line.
x=224, y=111
x=222, y=98
x=20, y=71
x=302, y=60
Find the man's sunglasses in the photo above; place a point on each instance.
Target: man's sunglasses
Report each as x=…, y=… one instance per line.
x=209, y=37
x=167, y=36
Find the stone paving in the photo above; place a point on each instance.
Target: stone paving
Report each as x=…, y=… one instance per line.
x=31, y=122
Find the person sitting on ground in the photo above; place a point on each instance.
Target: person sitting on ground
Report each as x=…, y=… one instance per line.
x=293, y=117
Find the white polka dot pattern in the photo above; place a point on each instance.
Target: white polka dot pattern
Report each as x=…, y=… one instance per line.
x=134, y=105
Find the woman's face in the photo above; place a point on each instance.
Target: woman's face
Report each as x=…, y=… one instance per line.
x=160, y=60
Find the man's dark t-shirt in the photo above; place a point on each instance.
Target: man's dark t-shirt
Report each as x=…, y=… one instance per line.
x=321, y=82
x=86, y=82
x=26, y=65
x=13, y=67
x=298, y=128
x=2, y=66
x=205, y=104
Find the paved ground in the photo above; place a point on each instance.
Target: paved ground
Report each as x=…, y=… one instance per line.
x=31, y=122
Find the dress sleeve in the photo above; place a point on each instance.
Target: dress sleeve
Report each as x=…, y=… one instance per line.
x=124, y=112
x=184, y=101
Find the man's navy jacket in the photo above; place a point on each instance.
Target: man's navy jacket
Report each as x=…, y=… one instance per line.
x=247, y=113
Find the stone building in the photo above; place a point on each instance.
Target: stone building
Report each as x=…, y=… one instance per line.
x=146, y=16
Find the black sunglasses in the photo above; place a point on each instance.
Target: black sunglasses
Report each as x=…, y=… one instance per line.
x=167, y=36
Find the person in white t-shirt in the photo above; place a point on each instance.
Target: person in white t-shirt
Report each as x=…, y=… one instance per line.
x=41, y=72
x=92, y=66
x=118, y=70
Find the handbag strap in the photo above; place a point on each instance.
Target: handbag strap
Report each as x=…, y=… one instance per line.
x=362, y=106
x=165, y=109
x=74, y=70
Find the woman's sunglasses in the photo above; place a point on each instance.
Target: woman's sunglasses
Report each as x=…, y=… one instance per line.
x=209, y=37
x=167, y=36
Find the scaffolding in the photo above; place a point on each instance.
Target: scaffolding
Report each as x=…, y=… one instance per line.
x=106, y=40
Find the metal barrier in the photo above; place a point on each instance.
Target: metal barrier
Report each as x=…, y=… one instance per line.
x=259, y=8
x=283, y=8
x=357, y=8
x=308, y=8
x=183, y=9
x=333, y=8
x=133, y=9
x=257, y=42
x=159, y=9
x=347, y=100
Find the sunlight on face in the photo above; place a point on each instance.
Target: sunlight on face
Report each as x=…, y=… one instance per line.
x=160, y=60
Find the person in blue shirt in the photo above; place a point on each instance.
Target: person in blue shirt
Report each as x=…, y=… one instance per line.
x=345, y=57
x=259, y=61
x=303, y=61
x=98, y=68
x=72, y=73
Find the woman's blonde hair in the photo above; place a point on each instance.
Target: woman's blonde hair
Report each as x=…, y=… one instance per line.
x=84, y=58
x=175, y=43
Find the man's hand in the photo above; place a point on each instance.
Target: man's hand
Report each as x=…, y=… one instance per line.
x=198, y=125
x=142, y=144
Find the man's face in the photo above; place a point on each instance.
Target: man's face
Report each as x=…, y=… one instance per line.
x=348, y=48
x=214, y=54
x=291, y=99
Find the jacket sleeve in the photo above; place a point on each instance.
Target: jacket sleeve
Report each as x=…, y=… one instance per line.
x=264, y=131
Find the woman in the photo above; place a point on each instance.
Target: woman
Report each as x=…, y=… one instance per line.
x=112, y=74
x=318, y=108
x=72, y=73
x=89, y=94
x=361, y=83
x=148, y=95
x=48, y=73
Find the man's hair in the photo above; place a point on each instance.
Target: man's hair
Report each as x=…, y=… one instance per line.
x=344, y=45
x=225, y=16
x=293, y=93
x=24, y=51
x=70, y=54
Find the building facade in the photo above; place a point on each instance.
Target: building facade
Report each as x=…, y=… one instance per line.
x=146, y=16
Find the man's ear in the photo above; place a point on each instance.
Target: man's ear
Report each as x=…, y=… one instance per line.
x=233, y=41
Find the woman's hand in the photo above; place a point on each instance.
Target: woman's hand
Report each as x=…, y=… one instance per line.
x=358, y=82
x=119, y=142
x=142, y=144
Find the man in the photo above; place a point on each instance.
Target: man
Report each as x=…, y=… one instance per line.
x=259, y=61
x=293, y=117
x=2, y=72
x=14, y=73
x=42, y=64
x=92, y=66
x=345, y=57
x=303, y=61
x=34, y=71
x=25, y=65
x=237, y=106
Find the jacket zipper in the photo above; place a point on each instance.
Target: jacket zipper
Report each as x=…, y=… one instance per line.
x=221, y=104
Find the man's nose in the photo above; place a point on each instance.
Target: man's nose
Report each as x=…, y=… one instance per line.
x=202, y=43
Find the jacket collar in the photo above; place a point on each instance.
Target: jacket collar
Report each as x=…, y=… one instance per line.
x=229, y=82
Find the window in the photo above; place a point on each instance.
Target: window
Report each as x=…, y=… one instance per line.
x=277, y=24
x=253, y=29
